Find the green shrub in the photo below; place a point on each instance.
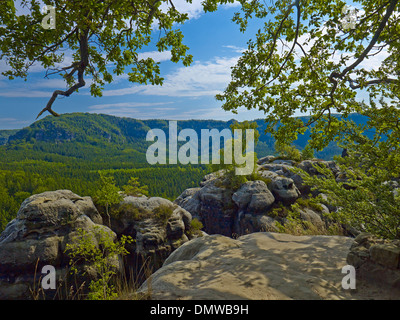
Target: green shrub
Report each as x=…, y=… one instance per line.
x=133, y=188
x=310, y=203
x=163, y=212
x=195, y=227
x=100, y=251
x=307, y=153
x=256, y=176
x=287, y=151
x=132, y=212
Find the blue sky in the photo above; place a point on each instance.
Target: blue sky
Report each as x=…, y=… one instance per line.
x=188, y=92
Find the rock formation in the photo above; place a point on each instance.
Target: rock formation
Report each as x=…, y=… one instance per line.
x=227, y=211
x=155, y=238
x=260, y=266
x=45, y=223
x=376, y=260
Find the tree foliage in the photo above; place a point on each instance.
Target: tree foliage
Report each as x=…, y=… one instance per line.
x=107, y=193
x=134, y=188
x=103, y=37
x=99, y=250
x=308, y=58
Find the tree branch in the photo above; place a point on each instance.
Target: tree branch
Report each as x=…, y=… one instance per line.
x=336, y=75
x=372, y=82
x=80, y=67
x=375, y=38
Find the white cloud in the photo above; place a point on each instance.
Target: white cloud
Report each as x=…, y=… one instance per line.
x=201, y=79
x=156, y=55
x=12, y=122
x=21, y=93
x=125, y=105
x=133, y=109
x=194, y=9
x=235, y=49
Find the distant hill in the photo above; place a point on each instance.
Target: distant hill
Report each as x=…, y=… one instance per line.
x=90, y=136
x=68, y=152
x=5, y=134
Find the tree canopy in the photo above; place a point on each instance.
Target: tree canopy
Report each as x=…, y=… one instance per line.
x=309, y=59
x=323, y=58
x=104, y=38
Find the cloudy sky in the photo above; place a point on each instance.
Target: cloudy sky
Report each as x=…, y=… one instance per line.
x=188, y=92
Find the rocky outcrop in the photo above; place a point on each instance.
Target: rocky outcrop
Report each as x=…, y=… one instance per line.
x=376, y=260
x=253, y=196
x=266, y=266
x=261, y=266
x=249, y=208
x=155, y=237
x=45, y=223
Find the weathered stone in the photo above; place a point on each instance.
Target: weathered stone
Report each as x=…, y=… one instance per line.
x=154, y=239
x=265, y=224
x=313, y=218
x=261, y=202
x=364, y=238
x=45, y=223
x=256, y=266
x=266, y=159
x=358, y=256
x=253, y=196
x=189, y=200
x=285, y=190
x=224, y=211
x=385, y=254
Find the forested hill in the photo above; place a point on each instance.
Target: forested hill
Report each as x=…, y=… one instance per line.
x=95, y=136
x=68, y=152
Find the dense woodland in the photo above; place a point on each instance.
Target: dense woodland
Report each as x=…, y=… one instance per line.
x=67, y=152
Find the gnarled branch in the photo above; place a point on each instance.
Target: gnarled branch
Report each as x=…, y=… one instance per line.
x=80, y=67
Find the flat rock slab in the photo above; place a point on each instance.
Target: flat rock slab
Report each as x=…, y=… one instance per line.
x=259, y=266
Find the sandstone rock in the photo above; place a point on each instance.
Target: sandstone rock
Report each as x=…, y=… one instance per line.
x=313, y=218
x=211, y=177
x=258, y=223
x=376, y=260
x=217, y=209
x=45, y=223
x=253, y=196
x=358, y=256
x=365, y=239
x=285, y=190
x=189, y=200
x=266, y=159
x=224, y=211
x=256, y=266
x=155, y=239
x=286, y=162
x=261, y=202
x=385, y=254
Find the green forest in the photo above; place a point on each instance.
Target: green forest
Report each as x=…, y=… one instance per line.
x=67, y=152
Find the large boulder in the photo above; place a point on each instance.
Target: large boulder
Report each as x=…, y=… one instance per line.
x=376, y=260
x=256, y=266
x=262, y=266
x=253, y=196
x=155, y=236
x=285, y=190
x=189, y=199
x=233, y=212
x=38, y=235
x=212, y=204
